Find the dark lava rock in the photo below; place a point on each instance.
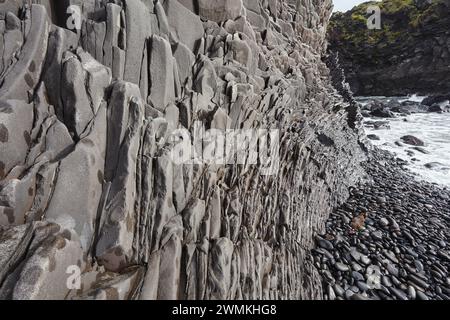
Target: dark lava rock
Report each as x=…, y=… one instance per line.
x=377, y=108
x=432, y=100
x=365, y=113
x=422, y=296
x=421, y=150
x=409, y=107
x=382, y=113
x=403, y=253
x=436, y=166
x=377, y=124
x=437, y=108
x=412, y=140
x=399, y=294
x=323, y=243
x=373, y=137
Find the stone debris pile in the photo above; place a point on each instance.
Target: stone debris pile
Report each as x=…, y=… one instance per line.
x=399, y=249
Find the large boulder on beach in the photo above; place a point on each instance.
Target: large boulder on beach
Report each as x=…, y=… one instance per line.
x=438, y=108
x=412, y=140
x=373, y=137
x=437, y=166
x=430, y=101
x=379, y=109
x=382, y=113
x=377, y=125
x=408, y=107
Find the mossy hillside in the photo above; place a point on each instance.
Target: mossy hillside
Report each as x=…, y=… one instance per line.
x=401, y=22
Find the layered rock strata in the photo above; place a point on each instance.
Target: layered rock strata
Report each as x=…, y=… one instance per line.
x=92, y=203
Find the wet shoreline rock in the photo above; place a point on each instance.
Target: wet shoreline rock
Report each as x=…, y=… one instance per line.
x=391, y=107
x=412, y=140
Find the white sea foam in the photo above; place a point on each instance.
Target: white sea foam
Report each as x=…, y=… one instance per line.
x=433, y=129
x=413, y=98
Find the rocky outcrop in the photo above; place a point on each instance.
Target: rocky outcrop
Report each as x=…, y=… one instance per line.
x=409, y=54
x=94, y=200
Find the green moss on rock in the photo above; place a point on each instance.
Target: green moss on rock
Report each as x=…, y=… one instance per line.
x=400, y=21
x=409, y=50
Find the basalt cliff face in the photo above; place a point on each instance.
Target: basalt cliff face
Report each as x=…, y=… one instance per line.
x=92, y=205
x=409, y=54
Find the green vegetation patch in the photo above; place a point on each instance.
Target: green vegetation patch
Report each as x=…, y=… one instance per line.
x=401, y=20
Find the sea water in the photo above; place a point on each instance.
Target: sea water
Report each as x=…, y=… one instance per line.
x=431, y=128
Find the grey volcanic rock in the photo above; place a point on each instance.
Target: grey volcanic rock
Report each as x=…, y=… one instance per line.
x=184, y=24
x=89, y=182
x=162, y=90
x=220, y=10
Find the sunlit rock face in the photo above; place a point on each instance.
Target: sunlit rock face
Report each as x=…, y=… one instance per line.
x=91, y=92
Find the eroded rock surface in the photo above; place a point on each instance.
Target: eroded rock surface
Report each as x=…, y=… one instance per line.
x=88, y=180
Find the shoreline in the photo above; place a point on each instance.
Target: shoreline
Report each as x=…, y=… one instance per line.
x=389, y=240
x=389, y=121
